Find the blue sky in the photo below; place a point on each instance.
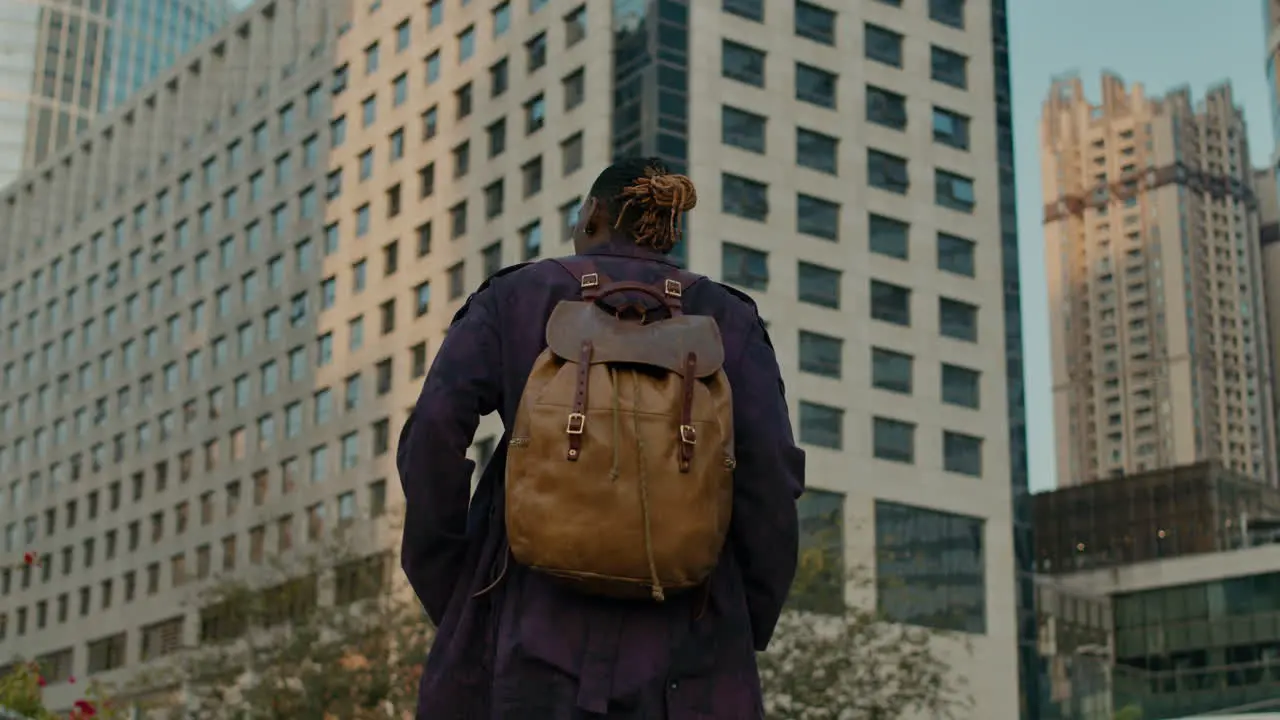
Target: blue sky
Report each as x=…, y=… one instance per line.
x=1160, y=43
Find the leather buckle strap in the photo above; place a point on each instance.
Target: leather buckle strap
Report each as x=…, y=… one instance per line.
x=688, y=434
x=577, y=422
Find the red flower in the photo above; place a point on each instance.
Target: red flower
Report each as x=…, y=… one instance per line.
x=83, y=709
x=72, y=679
x=30, y=558
x=40, y=681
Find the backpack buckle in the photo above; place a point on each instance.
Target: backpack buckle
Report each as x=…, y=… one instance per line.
x=577, y=422
x=673, y=288
x=590, y=280
x=688, y=435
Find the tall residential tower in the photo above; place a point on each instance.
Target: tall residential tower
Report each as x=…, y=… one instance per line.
x=220, y=305
x=1160, y=352
x=63, y=62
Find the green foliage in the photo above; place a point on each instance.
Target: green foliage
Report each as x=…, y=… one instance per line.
x=333, y=636
x=1129, y=712
x=22, y=692
x=854, y=663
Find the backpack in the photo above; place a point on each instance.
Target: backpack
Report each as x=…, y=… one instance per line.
x=619, y=476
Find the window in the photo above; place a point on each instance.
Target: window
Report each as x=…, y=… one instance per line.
x=531, y=175
x=817, y=217
x=369, y=110
x=818, y=285
x=497, y=133
x=501, y=19
x=462, y=96
x=953, y=191
x=930, y=568
x=422, y=299
x=893, y=440
x=366, y=164
x=890, y=303
x=433, y=67
x=535, y=114
x=461, y=160
x=817, y=151
x=947, y=12
x=955, y=254
x=387, y=316
x=745, y=267
x=435, y=13
x=466, y=44
x=886, y=108
x=960, y=386
x=418, y=361
x=822, y=541
x=403, y=36
x=458, y=220
x=815, y=23
x=821, y=425
x=536, y=51
x=742, y=129
x=742, y=63
x=491, y=258
x=948, y=68
x=887, y=172
x=493, y=199
x=882, y=45
x=749, y=9
x=573, y=86
x=887, y=236
x=531, y=240
x=457, y=281
x=498, y=78
x=957, y=320
x=950, y=128
x=961, y=453
x=743, y=197
x=575, y=26
x=399, y=89
x=430, y=122
x=571, y=154
x=814, y=85
x=371, y=58
x=423, y=232
x=821, y=354
x=891, y=370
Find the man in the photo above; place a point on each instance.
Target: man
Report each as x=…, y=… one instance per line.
x=513, y=644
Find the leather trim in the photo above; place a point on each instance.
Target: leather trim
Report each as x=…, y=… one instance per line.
x=688, y=436
x=663, y=343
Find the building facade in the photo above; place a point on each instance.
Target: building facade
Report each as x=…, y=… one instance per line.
x=62, y=63
x=1193, y=635
x=1160, y=350
x=212, y=338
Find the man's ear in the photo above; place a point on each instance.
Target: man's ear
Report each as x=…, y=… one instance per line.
x=590, y=215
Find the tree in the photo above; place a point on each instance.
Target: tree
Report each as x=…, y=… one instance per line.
x=849, y=662
x=329, y=635
x=22, y=685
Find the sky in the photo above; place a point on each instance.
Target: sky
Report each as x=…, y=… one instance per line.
x=1159, y=43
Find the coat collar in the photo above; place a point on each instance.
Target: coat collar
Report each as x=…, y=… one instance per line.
x=629, y=250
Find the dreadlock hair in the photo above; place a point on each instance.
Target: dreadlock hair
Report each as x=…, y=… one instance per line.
x=645, y=199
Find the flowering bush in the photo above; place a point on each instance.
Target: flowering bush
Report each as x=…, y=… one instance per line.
x=22, y=690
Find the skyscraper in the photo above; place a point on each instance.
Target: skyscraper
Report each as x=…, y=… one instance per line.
x=1160, y=352
x=61, y=63
x=233, y=289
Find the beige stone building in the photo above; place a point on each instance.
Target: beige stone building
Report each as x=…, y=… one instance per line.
x=217, y=308
x=1160, y=352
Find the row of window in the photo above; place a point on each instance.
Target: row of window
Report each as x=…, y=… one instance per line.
x=818, y=151
x=891, y=439
x=818, y=23
x=817, y=86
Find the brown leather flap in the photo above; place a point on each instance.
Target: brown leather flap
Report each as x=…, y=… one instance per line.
x=664, y=344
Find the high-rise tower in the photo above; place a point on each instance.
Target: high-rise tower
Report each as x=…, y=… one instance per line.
x=1157, y=319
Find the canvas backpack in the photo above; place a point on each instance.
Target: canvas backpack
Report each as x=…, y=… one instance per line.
x=620, y=461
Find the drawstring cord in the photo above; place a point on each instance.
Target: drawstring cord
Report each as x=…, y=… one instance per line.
x=658, y=594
